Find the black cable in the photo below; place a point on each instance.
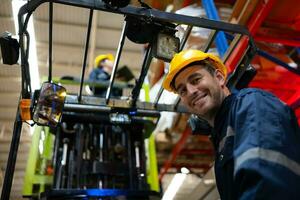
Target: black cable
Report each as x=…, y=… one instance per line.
x=143, y=4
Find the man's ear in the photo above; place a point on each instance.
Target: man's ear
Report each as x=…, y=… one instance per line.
x=220, y=77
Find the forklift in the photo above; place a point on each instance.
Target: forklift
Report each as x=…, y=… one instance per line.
x=99, y=150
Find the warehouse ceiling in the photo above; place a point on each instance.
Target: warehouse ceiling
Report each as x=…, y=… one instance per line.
x=69, y=37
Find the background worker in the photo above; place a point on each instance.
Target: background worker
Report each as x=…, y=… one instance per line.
x=255, y=135
x=101, y=74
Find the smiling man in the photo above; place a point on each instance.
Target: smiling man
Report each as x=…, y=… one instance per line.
x=256, y=136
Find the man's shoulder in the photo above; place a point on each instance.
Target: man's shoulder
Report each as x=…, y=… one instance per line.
x=256, y=104
x=257, y=96
x=253, y=92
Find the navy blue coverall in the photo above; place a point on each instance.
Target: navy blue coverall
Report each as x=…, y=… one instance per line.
x=101, y=76
x=257, y=142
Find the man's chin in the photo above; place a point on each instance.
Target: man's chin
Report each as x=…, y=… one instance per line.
x=196, y=111
x=201, y=112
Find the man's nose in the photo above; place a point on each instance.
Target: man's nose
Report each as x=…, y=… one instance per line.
x=191, y=88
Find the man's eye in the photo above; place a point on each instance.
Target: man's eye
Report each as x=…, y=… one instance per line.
x=182, y=92
x=195, y=81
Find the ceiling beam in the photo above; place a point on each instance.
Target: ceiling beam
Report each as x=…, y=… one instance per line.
x=10, y=70
x=76, y=47
x=4, y=148
x=9, y=99
x=64, y=23
x=64, y=69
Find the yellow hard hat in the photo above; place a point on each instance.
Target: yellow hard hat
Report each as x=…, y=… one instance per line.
x=101, y=57
x=186, y=57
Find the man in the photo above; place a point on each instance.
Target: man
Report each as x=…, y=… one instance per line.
x=256, y=136
x=101, y=74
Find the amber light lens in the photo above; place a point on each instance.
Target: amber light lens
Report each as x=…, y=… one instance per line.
x=50, y=104
x=25, y=109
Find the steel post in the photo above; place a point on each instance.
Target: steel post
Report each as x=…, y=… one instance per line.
x=212, y=13
x=12, y=157
x=260, y=13
x=85, y=53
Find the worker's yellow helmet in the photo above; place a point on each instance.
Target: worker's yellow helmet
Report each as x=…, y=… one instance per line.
x=186, y=57
x=101, y=57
